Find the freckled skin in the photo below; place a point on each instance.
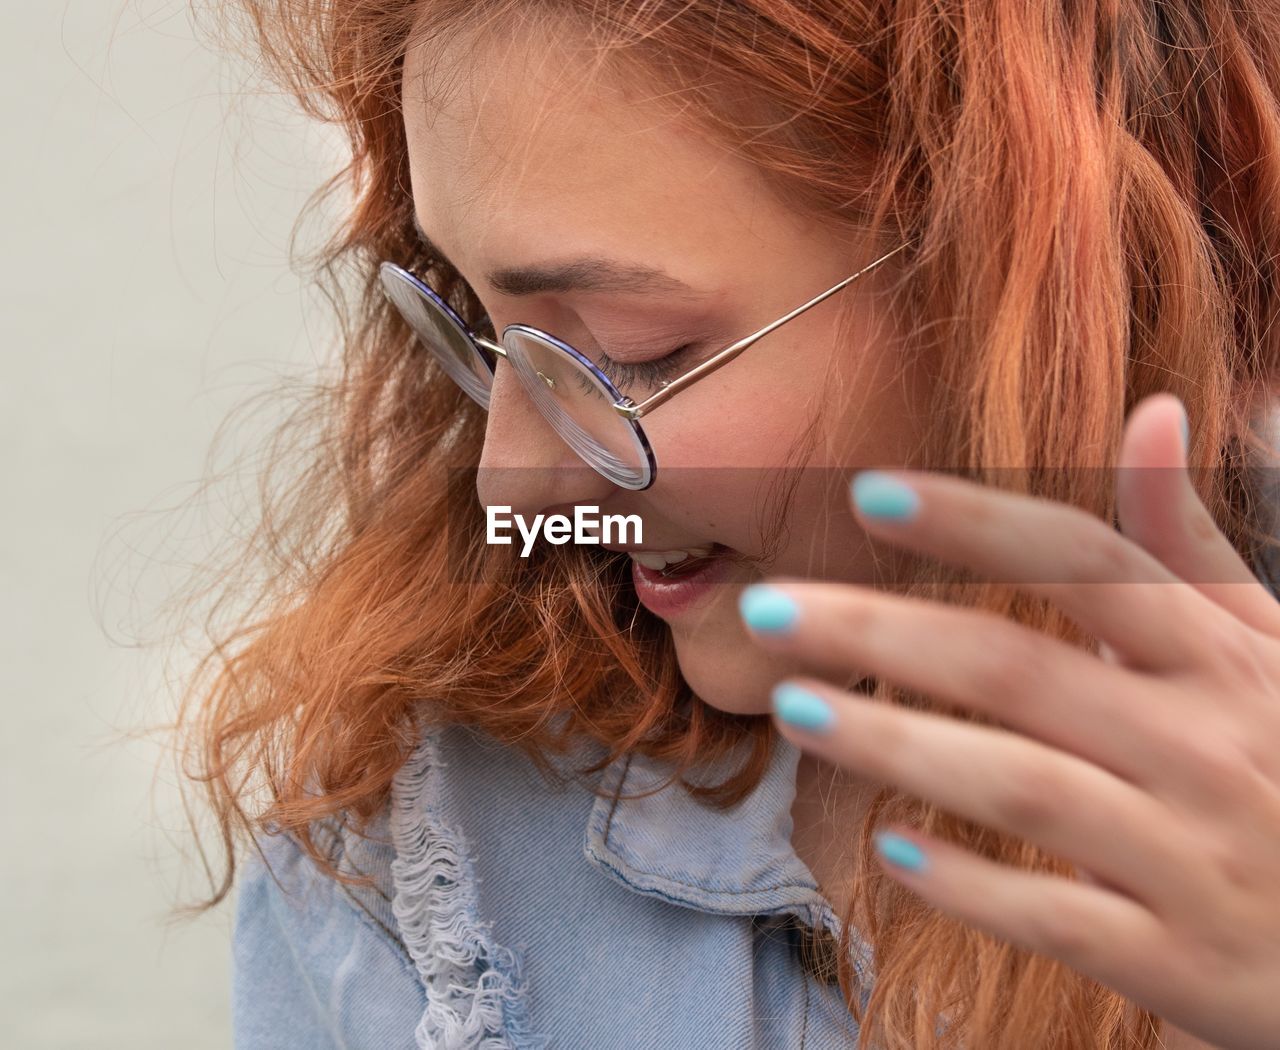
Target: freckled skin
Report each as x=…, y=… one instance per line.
x=517, y=156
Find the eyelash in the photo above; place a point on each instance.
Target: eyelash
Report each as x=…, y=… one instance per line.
x=620, y=374
x=649, y=373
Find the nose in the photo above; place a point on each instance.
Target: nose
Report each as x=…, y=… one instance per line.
x=525, y=464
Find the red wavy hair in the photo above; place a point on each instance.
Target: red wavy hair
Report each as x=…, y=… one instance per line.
x=1093, y=195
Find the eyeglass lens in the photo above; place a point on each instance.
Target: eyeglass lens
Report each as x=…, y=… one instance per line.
x=566, y=389
x=440, y=333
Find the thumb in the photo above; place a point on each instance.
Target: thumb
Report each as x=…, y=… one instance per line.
x=1160, y=510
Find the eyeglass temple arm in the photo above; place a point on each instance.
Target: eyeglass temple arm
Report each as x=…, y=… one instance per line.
x=633, y=411
x=489, y=345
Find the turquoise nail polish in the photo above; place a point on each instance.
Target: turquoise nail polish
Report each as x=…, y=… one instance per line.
x=900, y=852
x=766, y=608
x=800, y=708
x=880, y=496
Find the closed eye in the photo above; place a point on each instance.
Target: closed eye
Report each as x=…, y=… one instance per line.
x=645, y=373
x=658, y=369
x=630, y=378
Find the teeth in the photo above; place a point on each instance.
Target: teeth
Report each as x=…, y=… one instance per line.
x=659, y=560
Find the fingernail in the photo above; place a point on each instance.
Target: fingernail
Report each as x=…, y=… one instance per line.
x=766, y=608
x=1186, y=429
x=800, y=708
x=880, y=496
x=900, y=852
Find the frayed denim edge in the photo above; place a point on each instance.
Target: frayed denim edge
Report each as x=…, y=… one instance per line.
x=475, y=995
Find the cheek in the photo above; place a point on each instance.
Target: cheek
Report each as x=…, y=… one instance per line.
x=750, y=420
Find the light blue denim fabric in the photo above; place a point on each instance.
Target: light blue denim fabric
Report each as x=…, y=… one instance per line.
x=512, y=912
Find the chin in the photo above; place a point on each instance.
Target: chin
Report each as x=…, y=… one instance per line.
x=726, y=669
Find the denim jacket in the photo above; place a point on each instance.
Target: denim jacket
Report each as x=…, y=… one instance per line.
x=511, y=912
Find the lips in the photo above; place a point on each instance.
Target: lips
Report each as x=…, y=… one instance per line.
x=676, y=588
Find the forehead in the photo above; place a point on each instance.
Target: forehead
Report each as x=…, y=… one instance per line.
x=514, y=140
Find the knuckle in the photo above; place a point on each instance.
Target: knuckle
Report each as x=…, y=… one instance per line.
x=852, y=623
x=1065, y=930
x=1236, y=651
x=1003, y=668
x=1088, y=551
x=1221, y=767
x=1229, y=863
x=1200, y=524
x=1099, y=556
x=1030, y=796
x=890, y=749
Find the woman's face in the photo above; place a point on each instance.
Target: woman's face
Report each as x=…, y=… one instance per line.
x=517, y=159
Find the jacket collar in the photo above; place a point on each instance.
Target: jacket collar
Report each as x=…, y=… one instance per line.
x=733, y=862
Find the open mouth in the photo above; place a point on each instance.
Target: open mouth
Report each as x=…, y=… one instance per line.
x=670, y=582
x=674, y=563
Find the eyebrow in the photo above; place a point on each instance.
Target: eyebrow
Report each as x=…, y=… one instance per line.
x=585, y=274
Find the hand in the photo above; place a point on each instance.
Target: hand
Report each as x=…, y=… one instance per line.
x=1153, y=768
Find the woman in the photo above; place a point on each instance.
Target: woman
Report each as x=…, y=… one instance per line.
x=989, y=248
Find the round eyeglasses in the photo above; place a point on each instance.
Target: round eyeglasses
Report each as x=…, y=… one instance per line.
x=579, y=401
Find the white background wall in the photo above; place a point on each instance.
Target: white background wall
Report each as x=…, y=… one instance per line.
x=145, y=291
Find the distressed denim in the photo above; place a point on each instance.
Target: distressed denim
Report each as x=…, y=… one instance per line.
x=512, y=912
x=507, y=912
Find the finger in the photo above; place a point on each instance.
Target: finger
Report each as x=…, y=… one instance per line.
x=1107, y=584
x=1054, y=692
x=1103, y=934
x=1160, y=509
x=1005, y=781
